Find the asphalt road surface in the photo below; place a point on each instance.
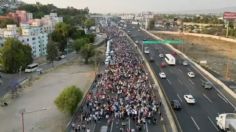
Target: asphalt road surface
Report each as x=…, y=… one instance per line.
x=199, y=117
x=10, y=81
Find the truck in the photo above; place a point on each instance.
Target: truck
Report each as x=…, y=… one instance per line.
x=227, y=122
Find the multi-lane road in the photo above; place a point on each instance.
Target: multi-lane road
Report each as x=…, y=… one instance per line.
x=192, y=118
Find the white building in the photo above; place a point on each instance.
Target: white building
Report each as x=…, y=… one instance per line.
x=11, y=31
x=33, y=37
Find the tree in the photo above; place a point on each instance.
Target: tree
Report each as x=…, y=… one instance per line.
x=15, y=55
x=79, y=43
x=87, y=51
x=151, y=24
x=68, y=99
x=5, y=22
x=52, y=52
x=89, y=22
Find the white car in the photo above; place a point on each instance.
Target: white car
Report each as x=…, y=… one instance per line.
x=146, y=50
x=162, y=75
x=191, y=74
x=185, y=63
x=136, y=41
x=161, y=55
x=189, y=99
x=63, y=56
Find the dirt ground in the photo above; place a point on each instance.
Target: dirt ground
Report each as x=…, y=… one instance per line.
x=38, y=100
x=219, y=54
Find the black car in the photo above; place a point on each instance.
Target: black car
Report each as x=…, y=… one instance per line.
x=151, y=58
x=175, y=104
x=207, y=85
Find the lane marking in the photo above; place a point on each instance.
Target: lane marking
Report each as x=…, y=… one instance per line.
x=213, y=123
x=180, y=70
x=222, y=98
x=191, y=81
x=169, y=81
x=146, y=127
x=179, y=98
x=129, y=123
x=215, y=87
x=189, y=69
x=207, y=98
x=195, y=123
x=111, y=126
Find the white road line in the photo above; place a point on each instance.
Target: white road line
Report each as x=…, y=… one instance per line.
x=191, y=81
x=213, y=123
x=179, y=98
x=207, y=98
x=146, y=127
x=180, y=70
x=222, y=98
x=94, y=127
x=215, y=88
x=169, y=81
x=195, y=123
x=189, y=69
x=129, y=123
x=111, y=126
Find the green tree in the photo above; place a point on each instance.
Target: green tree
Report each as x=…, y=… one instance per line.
x=68, y=99
x=151, y=24
x=89, y=22
x=79, y=43
x=5, y=22
x=87, y=51
x=15, y=55
x=52, y=52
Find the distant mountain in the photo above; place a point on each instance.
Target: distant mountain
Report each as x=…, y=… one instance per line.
x=206, y=11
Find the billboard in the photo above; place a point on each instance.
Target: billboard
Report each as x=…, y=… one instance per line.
x=229, y=15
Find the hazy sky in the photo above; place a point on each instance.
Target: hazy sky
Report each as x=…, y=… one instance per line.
x=121, y=6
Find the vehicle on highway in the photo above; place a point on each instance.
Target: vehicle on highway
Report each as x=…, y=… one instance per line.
x=146, y=50
x=136, y=41
x=162, y=75
x=161, y=55
x=191, y=74
x=163, y=64
x=189, y=99
x=227, y=122
x=31, y=67
x=175, y=104
x=151, y=58
x=170, y=59
x=104, y=129
x=206, y=85
x=185, y=63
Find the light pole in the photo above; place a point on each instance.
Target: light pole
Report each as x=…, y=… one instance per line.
x=20, y=72
x=23, y=111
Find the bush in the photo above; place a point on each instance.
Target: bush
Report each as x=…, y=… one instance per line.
x=68, y=99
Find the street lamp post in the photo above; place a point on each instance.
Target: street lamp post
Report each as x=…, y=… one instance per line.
x=23, y=111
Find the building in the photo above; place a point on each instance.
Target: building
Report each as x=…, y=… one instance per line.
x=36, y=39
x=32, y=32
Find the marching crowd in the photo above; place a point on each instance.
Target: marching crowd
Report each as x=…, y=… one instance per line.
x=122, y=91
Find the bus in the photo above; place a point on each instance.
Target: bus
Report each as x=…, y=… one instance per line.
x=32, y=67
x=170, y=59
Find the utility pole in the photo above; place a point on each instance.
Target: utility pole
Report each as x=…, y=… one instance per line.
x=227, y=28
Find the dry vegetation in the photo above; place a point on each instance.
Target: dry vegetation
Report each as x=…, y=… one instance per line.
x=218, y=53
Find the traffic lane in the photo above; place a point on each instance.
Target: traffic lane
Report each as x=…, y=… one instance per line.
x=212, y=95
x=211, y=112
x=201, y=116
x=182, y=116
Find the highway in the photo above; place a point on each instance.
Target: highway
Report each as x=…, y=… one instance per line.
x=199, y=117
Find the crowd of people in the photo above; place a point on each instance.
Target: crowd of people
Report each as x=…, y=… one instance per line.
x=122, y=91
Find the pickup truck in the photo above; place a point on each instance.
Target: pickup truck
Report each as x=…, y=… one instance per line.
x=227, y=122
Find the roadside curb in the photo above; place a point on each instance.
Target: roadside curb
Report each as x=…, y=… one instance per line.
x=226, y=88
x=160, y=92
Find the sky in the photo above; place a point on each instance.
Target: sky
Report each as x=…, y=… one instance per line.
x=134, y=6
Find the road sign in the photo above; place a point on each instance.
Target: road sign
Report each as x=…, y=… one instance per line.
x=229, y=15
x=163, y=42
